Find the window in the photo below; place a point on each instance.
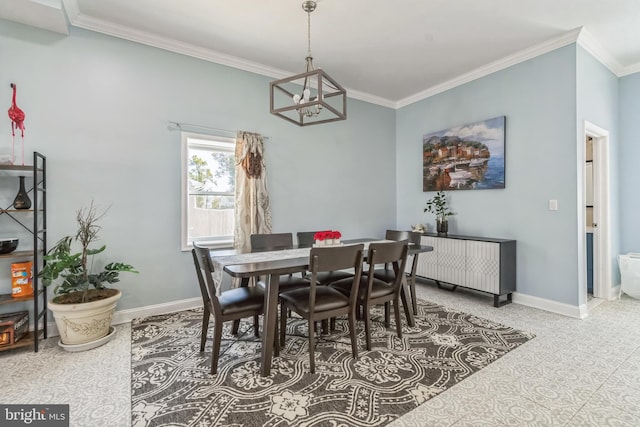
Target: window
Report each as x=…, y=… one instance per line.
x=208, y=184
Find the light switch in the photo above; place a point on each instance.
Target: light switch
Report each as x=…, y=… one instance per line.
x=553, y=205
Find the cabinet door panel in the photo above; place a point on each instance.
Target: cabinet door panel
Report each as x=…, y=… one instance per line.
x=427, y=260
x=483, y=266
x=451, y=261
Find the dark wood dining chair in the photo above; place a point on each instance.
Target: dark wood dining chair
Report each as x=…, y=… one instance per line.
x=317, y=303
x=233, y=304
x=373, y=291
x=271, y=242
x=276, y=242
x=387, y=274
x=306, y=240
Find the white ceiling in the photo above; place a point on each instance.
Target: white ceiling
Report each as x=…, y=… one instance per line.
x=383, y=51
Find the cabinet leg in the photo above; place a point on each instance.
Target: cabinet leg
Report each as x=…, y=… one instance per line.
x=450, y=289
x=498, y=303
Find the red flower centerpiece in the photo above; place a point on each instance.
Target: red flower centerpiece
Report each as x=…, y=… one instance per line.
x=327, y=238
x=320, y=237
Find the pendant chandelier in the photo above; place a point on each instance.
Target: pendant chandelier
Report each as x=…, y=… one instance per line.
x=311, y=97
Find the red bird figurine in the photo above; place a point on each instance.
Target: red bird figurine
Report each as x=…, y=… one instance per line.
x=17, y=122
x=16, y=114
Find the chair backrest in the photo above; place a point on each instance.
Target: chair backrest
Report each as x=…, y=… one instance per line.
x=411, y=236
x=204, y=272
x=388, y=253
x=332, y=259
x=305, y=238
x=271, y=242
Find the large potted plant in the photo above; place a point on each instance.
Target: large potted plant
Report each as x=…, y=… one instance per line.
x=437, y=205
x=83, y=307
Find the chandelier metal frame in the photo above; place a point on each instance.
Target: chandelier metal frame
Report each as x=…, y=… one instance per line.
x=311, y=105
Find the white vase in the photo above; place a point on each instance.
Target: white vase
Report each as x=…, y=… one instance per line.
x=320, y=243
x=84, y=322
x=329, y=242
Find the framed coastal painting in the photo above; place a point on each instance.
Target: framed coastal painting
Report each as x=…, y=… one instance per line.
x=468, y=157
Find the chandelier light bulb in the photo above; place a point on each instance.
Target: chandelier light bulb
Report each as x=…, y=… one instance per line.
x=296, y=99
x=306, y=94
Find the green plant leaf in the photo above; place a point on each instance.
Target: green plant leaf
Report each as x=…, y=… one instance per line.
x=69, y=270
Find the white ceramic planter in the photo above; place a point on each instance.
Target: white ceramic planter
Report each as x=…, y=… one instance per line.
x=86, y=322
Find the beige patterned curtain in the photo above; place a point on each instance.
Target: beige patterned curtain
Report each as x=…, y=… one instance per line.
x=252, y=213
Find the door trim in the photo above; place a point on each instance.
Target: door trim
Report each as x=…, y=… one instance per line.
x=601, y=213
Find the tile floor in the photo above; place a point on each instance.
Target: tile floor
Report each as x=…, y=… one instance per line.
x=574, y=373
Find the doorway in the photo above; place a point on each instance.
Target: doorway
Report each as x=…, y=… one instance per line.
x=595, y=233
x=588, y=214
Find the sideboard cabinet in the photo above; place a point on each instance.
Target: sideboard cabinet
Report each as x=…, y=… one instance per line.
x=483, y=264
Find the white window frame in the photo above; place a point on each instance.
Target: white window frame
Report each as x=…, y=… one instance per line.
x=221, y=144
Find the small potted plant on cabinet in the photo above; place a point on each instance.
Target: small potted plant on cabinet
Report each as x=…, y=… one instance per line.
x=437, y=205
x=83, y=307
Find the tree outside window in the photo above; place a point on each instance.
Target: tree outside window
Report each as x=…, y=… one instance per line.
x=208, y=211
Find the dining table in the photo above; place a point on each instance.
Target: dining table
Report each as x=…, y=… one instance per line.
x=272, y=265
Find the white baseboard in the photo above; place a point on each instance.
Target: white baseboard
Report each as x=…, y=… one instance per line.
x=126, y=316
x=614, y=293
x=548, y=305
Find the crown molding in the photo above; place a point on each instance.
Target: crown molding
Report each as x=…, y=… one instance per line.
x=72, y=9
x=566, y=39
x=631, y=69
x=589, y=43
x=577, y=35
x=595, y=49
x=127, y=33
x=367, y=97
x=82, y=21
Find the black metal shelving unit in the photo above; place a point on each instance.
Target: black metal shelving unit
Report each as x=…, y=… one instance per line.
x=38, y=229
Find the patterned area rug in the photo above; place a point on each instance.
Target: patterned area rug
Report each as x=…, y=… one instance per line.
x=171, y=384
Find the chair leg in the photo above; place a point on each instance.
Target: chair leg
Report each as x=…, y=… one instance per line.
x=205, y=328
x=387, y=315
x=352, y=333
x=276, y=340
x=217, y=340
x=332, y=324
x=283, y=322
x=367, y=327
x=312, y=349
x=256, y=326
x=325, y=326
x=414, y=302
x=235, y=327
x=396, y=312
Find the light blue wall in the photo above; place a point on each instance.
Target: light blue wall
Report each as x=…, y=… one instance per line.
x=628, y=163
x=538, y=98
x=98, y=107
x=597, y=103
